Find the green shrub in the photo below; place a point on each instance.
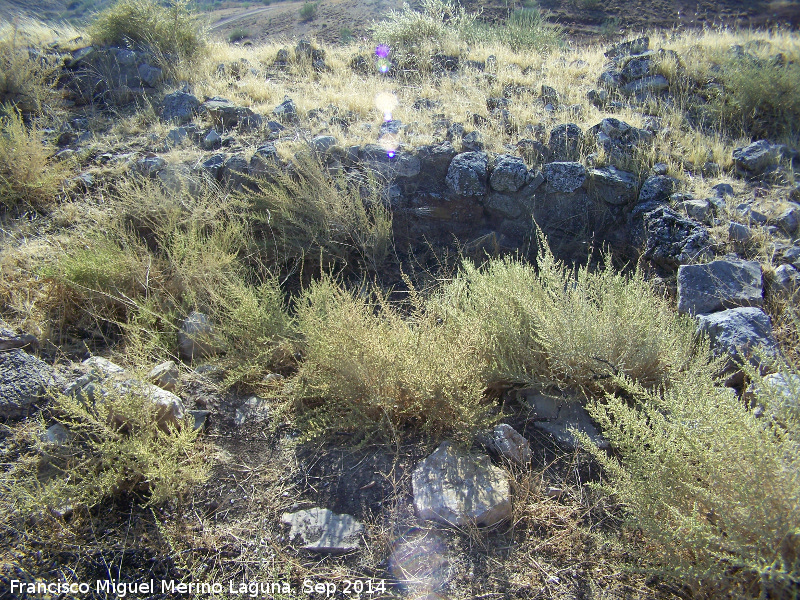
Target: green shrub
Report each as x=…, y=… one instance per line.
x=166, y=30
x=371, y=370
x=101, y=460
x=309, y=10
x=714, y=490
x=238, y=35
x=28, y=175
x=563, y=326
x=345, y=35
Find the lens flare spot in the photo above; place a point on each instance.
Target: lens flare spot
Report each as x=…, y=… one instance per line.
x=384, y=65
x=419, y=561
x=382, y=51
x=390, y=143
x=386, y=103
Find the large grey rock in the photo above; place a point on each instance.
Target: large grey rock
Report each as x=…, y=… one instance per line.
x=170, y=410
x=788, y=220
x=613, y=186
x=180, y=107
x=564, y=176
x=323, y=531
x=638, y=67
x=323, y=143
x=503, y=205
x=756, y=158
x=24, y=380
x=434, y=163
x=565, y=142
x=10, y=340
x=400, y=164
x=149, y=75
x=671, y=240
x=458, y=489
x=619, y=139
x=252, y=410
x=509, y=174
x=780, y=392
x=467, y=174
x=286, y=111
x=194, y=337
x=718, y=285
x=739, y=332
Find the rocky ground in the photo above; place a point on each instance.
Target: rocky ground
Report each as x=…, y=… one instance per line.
x=417, y=517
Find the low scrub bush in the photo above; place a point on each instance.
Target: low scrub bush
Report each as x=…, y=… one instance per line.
x=571, y=327
x=165, y=30
x=370, y=369
x=370, y=364
x=309, y=11
x=28, y=175
x=724, y=514
x=97, y=459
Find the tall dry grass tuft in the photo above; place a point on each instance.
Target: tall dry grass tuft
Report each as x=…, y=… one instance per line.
x=28, y=174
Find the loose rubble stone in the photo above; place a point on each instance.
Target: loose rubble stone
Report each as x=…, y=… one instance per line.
x=786, y=280
x=629, y=48
x=509, y=174
x=789, y=220
x=738, y=232
x=457, y=489
x=505, y=441
x=646, y=85
x=323, y=531
x=467, y=174
x=193, y=337
x=783, y=389
x=565, y=142
x=165, y=375
x=614, y=186
x=180, y=107
x=756, y=158
x=699, y=210
x=558, y=416
x=10, y=340
x=658, y=188
x=564, y=176
x=323, y=143
x=739, y=332
x=286, y=111
x=170, y=409
x=226, y=114
x=212, y=141
x=24, y=380
x=718, y=285
x=252, y=410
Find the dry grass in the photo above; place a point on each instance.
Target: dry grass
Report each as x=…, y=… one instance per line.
x=29, y=176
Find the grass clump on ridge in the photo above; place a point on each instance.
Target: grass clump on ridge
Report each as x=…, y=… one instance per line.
x=165, y=254
x=442, y=26
x=166, y=30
